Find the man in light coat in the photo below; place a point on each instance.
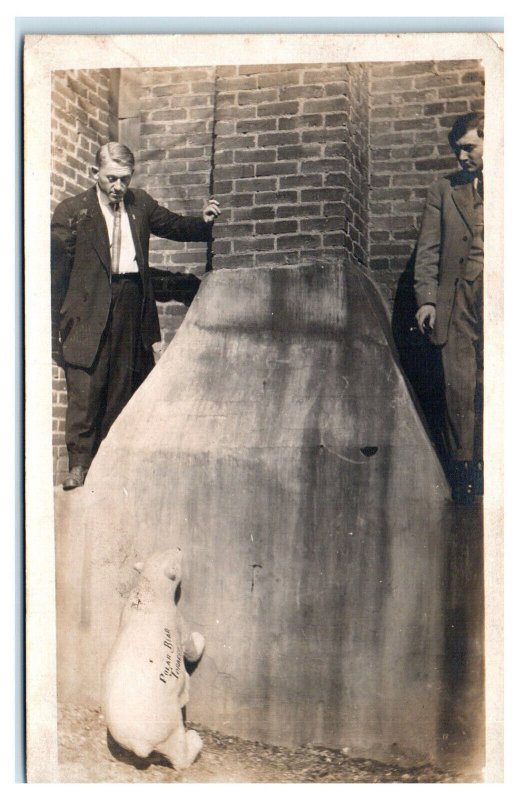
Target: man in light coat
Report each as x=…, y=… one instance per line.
x=103, y=299
x=448, y=283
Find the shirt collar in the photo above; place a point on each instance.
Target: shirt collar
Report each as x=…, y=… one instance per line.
x=104, y=200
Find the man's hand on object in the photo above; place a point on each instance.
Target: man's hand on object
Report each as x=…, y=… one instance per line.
x=425, y=317
x=211, y=210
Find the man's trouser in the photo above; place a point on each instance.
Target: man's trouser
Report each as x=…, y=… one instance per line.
x=97, y=395
x=462, y=357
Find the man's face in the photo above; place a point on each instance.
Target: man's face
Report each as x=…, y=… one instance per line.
x=113, y=179
x=469, y=150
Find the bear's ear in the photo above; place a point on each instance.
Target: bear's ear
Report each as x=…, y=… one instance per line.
x=171, y=574
x=139, y=566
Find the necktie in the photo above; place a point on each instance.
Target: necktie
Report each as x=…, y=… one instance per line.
x=116, y=240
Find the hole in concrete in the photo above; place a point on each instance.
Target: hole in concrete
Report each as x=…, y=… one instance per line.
x=369, y=451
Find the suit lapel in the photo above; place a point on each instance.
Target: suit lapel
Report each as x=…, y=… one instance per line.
x=96, y=229
x=463, y=198
x=135, y=227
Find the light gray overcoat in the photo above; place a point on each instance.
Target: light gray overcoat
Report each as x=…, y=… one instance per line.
x=444, y=243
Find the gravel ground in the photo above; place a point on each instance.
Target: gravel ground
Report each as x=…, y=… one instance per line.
x=87, y=754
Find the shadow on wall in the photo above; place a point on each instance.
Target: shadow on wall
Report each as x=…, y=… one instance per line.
x=462, y=707
x=420, y=360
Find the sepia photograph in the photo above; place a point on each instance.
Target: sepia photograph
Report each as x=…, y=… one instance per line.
x=263, y=364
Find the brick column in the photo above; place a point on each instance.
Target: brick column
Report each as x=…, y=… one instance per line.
x=174, y=165
x=287, y=168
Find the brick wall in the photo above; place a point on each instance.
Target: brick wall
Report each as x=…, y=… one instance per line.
x=288, y=172
x=81, y=121
x=174, y=165
x=412, y=107
x=289, y=165
x=310, y=161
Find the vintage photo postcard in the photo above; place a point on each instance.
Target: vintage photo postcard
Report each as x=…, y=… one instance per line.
x=264, y=434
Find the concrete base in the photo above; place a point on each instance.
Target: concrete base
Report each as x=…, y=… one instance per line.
x=277, y=443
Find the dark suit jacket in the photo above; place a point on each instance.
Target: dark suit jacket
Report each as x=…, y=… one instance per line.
x=81, y=268
x=443, y=247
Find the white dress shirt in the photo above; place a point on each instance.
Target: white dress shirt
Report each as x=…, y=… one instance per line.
x=128, y=261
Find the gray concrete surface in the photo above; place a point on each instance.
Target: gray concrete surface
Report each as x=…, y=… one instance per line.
x=277, y=443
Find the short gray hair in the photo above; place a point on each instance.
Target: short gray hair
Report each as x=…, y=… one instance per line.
x=116, y=152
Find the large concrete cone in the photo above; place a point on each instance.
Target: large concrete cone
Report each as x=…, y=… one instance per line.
x=277, y=443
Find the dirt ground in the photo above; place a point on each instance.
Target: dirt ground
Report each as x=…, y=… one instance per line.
x=88, y=754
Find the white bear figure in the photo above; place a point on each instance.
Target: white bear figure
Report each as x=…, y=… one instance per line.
x=145, y=683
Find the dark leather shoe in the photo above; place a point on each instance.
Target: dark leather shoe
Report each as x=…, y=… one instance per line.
x=75, y=478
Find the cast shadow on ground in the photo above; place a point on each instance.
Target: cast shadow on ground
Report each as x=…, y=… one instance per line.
x=128, y=757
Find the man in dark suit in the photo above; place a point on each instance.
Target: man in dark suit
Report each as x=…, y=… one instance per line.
x=103, y=299
x=448, y=283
